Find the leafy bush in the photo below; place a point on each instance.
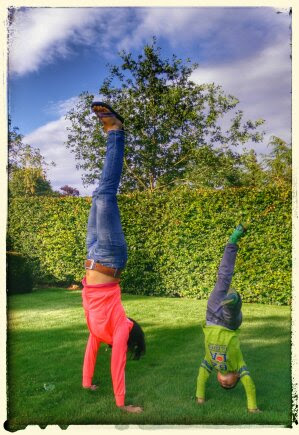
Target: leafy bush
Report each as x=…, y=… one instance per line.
x=19, y=274
x=175, y=240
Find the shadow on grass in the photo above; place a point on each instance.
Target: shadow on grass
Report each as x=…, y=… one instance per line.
x=59, y=298
x=164, y=381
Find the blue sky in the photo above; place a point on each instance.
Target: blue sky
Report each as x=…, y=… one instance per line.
x=56, y=53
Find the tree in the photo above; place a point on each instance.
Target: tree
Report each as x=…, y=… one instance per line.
x=69, y=191
x=278, y=163
x=223, y=168
x=28, y=182
x=252, y=170
x=219, y=168
x=26, y=167
x=211, y=168
x=169, y=119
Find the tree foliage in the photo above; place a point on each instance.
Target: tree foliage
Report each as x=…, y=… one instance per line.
x=170, y=122
x=26, y=167
x=69, y=191
x=217, y=168
x=278, y=163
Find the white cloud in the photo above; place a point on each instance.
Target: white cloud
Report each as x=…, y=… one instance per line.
x=39, y=35
x=173, y=23
x=61, y=107
x=215, y=30
x=50, y=139
x=263, y=86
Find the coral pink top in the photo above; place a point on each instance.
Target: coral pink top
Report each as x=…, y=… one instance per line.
x=107, y=323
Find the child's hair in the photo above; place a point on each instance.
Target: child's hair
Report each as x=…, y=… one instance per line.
x=230, y=388
x=136, y=341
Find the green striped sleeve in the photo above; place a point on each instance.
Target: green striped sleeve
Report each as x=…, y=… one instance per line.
x=206, y=366
x=243, y=371
x=249, y=388
x=203, y=375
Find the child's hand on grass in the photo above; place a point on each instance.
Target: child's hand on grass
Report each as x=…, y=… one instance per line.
x=200, y=401
x=254, y=411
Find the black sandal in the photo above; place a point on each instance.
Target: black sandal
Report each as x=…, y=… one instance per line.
x=106, y=114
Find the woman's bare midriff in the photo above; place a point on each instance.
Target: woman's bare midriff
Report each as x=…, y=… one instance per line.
x=93, y=277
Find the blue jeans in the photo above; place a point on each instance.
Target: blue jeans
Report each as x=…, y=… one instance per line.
x=105, y=241
x=229, y=316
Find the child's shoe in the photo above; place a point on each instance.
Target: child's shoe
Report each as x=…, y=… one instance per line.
x=237, y=234
x=230, y=299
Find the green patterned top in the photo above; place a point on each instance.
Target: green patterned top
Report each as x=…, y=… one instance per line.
x=222, y=352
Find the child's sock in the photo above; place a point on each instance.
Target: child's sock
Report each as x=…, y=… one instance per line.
x=237, y=234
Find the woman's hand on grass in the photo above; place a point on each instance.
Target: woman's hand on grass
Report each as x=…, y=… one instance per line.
x=254, y=411
x=132, y=409
x=200, y=401
x=93, y=387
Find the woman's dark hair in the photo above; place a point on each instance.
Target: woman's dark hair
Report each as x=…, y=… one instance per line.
x=136, y=341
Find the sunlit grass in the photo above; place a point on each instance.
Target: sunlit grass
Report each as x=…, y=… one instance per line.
x=46, y=342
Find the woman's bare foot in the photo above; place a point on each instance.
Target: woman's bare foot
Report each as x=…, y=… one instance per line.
x=109, y=122
x=93, y=387
x=132, y=409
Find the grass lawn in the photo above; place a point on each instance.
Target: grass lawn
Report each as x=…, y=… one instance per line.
x=46, y=341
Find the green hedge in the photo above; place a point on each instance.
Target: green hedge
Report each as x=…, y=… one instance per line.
x=175, y=240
